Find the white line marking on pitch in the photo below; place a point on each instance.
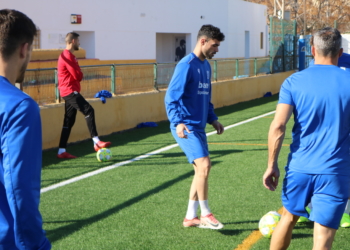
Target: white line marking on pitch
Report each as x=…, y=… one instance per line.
x=101, y=170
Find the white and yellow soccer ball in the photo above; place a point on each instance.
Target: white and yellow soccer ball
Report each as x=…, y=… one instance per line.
x=268, y=223
x=104, y=154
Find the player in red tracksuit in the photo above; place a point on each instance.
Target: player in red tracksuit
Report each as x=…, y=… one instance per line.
x=69, y=77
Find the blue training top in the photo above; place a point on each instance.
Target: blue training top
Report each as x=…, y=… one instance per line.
x=344, y=61
x=187, y=99
x=320, y=95
x=20, y=171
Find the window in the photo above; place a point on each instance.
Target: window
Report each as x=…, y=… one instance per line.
x=261, y=40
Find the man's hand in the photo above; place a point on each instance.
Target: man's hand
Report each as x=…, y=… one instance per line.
x=270, y=178
x=275, y=139
x=180, y=128
x=218, y=127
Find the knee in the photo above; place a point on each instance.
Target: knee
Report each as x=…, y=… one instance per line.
x=203, y=171
x=90, y=111
x=289, y=217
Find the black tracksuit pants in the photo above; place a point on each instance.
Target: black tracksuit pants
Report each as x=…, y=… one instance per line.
x=73, y=102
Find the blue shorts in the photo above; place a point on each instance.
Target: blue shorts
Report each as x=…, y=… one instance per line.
x=195, y=146
x=328, y=195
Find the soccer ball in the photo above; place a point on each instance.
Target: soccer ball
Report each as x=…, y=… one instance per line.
x=268, y=223
x=104, y=154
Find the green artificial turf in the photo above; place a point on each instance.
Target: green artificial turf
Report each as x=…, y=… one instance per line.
x=141, y=205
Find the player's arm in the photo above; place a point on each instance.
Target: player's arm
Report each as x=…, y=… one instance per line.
x=212, y=118
x=275, y=139
x=173, y=102
x=218, y=127
x=73, y=68
x=21, y=146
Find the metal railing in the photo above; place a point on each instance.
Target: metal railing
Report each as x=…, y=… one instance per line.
x=42, y=84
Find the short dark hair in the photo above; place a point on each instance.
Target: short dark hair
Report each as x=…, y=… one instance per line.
x=15, y=29
x=70, y=36
x=211, y=32
x=182, y=42
x=327, y=41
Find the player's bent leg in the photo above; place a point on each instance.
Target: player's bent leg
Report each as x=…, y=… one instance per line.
x=329, y=200
x=202, y=168
x=196, y=149
x=193, y=189
x=323, y=237
x=79, y=103
x=282, y=235
x=68, y=122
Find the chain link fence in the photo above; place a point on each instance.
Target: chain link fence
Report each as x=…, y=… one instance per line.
x=282, y=45
x=42, y=84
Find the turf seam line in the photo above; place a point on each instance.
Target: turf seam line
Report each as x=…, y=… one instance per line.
x=101, y=170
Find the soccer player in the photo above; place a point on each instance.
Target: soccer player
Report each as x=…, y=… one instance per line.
x=318, y=167
x=189, y=108
x=343, y=63
x=20, y=140
x=69, y=77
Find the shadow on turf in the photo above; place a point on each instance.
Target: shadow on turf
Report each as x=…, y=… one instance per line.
x=62, y=232
x=75, y=163
x=233, y=232
x=261, y=141
x=309, y=225
x=301, y=236
x=241, y=222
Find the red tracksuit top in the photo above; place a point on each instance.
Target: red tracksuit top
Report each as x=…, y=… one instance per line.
x=69, y=73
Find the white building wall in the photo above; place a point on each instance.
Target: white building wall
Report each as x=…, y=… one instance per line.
x=346, y=43
x=127, y=30
x=252, y=19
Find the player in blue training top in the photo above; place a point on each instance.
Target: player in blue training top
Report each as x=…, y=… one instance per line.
x=20, y=140
x=318, y=167
x=343, y=63
x=189, y=109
